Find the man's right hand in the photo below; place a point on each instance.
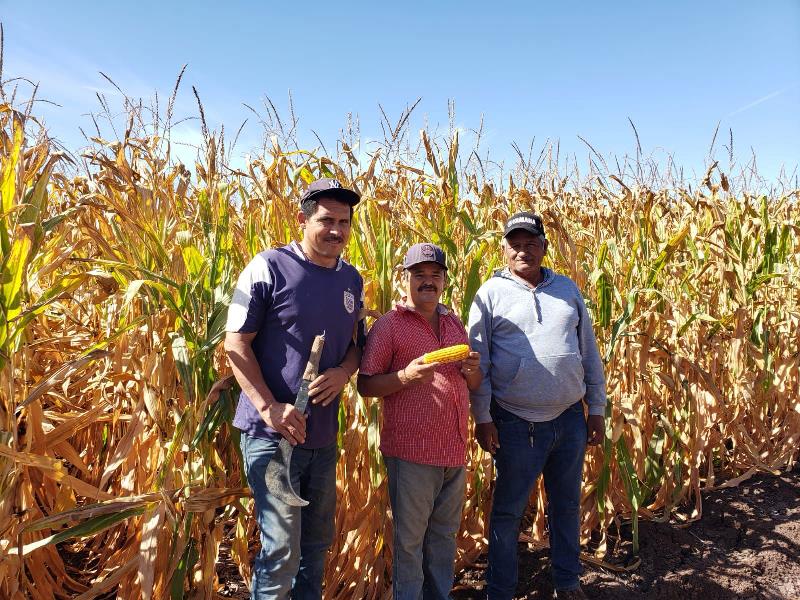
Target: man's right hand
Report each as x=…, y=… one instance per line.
x=486, y=433
x=418, y=372
x=285, y=419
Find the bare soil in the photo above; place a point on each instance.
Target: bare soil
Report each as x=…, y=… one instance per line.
x=232, y=584
x=747, y=545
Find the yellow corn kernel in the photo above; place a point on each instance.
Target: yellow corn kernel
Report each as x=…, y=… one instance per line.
x=447, y=355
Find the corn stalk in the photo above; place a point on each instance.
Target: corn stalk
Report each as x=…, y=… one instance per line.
x=116, y=451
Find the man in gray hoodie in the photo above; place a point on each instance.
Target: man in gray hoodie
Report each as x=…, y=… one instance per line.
x=539, y=362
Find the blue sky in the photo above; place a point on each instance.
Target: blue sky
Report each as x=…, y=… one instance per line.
x=543, y=71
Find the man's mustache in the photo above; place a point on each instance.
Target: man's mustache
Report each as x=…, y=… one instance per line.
x=334, y=238
x=424, y=288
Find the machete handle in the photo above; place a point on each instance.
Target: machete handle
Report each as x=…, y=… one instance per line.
x=312, y=368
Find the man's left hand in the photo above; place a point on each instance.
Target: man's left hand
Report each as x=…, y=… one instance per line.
x=596, y=429
x=470, y=364
x=327, y=385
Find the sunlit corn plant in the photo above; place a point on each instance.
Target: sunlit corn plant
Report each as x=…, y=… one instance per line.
x=119, y=468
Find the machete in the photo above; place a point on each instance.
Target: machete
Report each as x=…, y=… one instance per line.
x=279, y=478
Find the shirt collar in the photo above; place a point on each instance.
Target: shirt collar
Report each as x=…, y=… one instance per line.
x=298, y=249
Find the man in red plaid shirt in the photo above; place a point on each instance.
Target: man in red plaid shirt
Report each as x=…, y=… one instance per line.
x=424, y=434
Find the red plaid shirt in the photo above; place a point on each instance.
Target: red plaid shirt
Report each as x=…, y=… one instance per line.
x=424, y=423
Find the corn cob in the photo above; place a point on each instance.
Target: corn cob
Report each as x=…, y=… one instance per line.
x=447, y=355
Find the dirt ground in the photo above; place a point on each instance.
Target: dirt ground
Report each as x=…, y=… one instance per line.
x=747, y=545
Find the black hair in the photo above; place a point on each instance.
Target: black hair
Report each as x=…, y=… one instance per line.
x=309, y=207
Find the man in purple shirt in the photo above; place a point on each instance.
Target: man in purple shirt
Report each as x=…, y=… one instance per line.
x=284, y=298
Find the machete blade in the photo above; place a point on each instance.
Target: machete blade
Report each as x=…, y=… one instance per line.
x=279, y=477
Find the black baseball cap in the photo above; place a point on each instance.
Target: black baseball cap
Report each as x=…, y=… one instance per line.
x=329, y=187
x=526, y=221
x=425, y=252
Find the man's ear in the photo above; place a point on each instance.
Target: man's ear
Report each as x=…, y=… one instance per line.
x=301, y=218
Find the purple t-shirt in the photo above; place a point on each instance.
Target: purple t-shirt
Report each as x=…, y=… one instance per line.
x=288, y=300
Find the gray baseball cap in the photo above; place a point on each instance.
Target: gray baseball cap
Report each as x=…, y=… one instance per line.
x=425, y=252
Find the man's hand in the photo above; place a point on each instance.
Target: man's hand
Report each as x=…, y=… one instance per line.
x=327, y=385
x=471, y=364
x=596, y=429
x=286, y=420
x=417, y=372
x=486, y=433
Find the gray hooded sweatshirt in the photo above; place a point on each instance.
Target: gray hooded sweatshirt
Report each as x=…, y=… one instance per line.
x=538, y=351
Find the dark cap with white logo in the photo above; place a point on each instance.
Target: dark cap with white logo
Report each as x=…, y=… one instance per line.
x=421, y=253
x=327, y=187
x=526, y=221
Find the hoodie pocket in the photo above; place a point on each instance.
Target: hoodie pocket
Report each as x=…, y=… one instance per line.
x=555, y=380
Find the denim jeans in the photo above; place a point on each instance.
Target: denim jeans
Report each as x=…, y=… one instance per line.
x=426, y=511
x=294, y=540
x=556, y=449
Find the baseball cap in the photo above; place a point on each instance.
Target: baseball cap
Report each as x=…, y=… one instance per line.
x=425, y=252
x=330, y=188
x=524, y=220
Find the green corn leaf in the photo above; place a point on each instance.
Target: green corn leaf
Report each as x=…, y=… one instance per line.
x=89, y=527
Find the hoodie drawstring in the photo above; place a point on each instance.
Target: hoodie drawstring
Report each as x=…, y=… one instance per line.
x=536, y=306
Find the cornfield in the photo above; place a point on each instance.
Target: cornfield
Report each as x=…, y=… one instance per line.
x=119, y=469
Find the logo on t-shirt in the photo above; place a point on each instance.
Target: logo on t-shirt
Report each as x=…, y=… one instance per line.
x=349, y=301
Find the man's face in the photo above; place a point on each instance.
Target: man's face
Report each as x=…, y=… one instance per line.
x=328, y=229
x=524, y=253
x=425, y=283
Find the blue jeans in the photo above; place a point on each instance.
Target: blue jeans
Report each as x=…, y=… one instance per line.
x=555, y=448
x=426, y=512
x=294, y=540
